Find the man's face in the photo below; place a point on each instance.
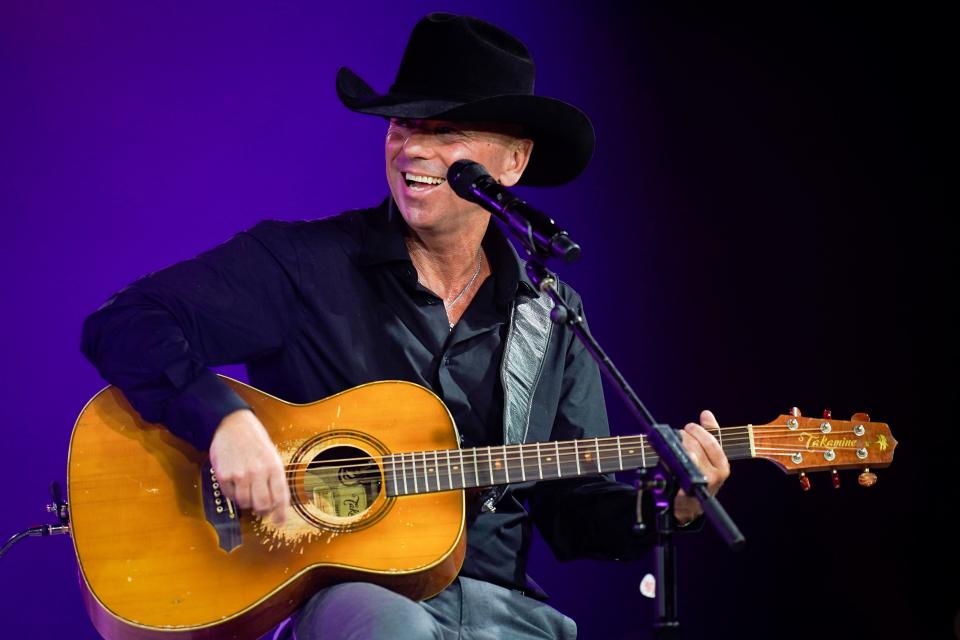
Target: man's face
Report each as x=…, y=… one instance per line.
x=419, y=152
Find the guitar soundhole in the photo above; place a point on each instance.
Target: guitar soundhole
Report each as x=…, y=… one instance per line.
x=342, y=482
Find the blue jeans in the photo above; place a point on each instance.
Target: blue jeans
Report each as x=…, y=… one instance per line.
x=468, y=609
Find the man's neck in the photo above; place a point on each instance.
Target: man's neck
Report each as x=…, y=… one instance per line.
x=446, y=257
x=451, y=265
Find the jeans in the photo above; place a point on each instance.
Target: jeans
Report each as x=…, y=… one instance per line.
x=468, y=609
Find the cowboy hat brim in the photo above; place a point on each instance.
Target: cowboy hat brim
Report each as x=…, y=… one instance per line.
x=563, y=135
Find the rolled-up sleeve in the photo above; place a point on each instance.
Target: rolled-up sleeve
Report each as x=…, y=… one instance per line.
x=157, y=339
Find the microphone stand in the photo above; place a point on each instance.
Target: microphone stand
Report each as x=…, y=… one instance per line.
x=677, y=470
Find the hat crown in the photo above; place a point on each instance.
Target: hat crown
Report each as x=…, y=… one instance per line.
x=463, y=58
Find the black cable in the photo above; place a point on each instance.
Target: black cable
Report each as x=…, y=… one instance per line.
x=42, y=530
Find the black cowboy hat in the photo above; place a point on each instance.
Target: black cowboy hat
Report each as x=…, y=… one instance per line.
x=459, y=68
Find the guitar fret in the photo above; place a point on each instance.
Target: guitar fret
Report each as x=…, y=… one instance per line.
x=596, y=442
x=619, y=454
x=523, y=471
x=393, y=463
x=426, y=472
x=506, y=464
x=413, y=467
x=463, y=475
x=643, y=453
x=449, y=471
x=490, y=464
x=436, y=463
x=556, y=445
x=476, y=469
x=539, y=463
x=576, y=456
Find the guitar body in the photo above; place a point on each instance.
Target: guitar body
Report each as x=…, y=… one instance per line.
x=144, y=508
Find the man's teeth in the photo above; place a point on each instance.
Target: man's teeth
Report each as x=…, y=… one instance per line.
x=411, y=177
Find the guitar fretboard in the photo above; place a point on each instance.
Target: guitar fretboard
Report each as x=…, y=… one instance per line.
x=417, y=472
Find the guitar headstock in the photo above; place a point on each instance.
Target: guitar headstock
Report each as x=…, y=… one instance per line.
x=797, y=445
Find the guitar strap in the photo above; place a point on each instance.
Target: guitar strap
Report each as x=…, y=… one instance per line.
x=524, y=352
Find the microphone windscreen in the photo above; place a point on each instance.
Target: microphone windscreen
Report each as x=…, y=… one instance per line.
x=463, y=175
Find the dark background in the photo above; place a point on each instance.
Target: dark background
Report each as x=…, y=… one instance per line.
x=762, y=228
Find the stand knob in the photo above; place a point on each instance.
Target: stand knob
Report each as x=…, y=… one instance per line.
x=835, y=477
x=804, y=481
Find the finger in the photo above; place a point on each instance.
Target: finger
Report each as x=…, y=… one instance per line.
x=693, y=448
x=226, y=485
x=708, y=420
x=710, y=446
x=241, y=493
x=260, y=494
x=228, y=489
x=279, y=493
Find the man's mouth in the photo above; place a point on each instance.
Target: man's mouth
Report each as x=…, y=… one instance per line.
x=421, y=182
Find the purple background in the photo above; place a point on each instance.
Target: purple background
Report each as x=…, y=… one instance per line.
x=757, y=228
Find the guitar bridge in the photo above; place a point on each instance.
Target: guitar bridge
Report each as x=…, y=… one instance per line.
x=221, y=512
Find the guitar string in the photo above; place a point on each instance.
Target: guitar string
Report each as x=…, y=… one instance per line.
x=430, y=472
x=472, y=482
x=728, y=437
x=588, y=446
x=498, y=456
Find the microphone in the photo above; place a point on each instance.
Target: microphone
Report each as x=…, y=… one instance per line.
x=470, y=181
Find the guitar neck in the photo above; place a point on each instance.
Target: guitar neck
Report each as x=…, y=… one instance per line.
x=417, y=472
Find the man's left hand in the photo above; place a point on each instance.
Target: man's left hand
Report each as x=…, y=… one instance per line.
x=707, y=454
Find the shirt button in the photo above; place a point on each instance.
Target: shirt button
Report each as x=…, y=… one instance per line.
x=446, y=360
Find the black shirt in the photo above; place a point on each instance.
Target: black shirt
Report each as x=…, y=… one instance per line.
x=320, y=306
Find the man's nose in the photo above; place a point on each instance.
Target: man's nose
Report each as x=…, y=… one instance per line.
x=418, y=144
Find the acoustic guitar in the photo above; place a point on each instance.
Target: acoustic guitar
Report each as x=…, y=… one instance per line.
x=377, y=480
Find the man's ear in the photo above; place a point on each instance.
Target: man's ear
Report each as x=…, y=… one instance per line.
x=517, y=162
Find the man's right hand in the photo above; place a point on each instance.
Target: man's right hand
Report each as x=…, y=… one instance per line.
x=248, y=466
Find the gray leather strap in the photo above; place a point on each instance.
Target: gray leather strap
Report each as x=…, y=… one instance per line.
x=523, y=356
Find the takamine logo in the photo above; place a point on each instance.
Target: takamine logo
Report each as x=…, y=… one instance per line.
x=821, y=441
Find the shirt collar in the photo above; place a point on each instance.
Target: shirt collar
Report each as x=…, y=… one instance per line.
x=382, y=242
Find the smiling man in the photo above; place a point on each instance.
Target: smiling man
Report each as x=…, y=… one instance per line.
x=421, y=288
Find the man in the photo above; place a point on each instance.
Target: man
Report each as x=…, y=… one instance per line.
x=422, y=288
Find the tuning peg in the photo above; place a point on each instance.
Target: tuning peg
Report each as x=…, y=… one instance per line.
x=860, y=417
x=804, y=481
x=835, y=477
x=867, y=478
x=795, y=412
x=827, y=414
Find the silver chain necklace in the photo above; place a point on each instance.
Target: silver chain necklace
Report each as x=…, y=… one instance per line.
x=473, y=278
